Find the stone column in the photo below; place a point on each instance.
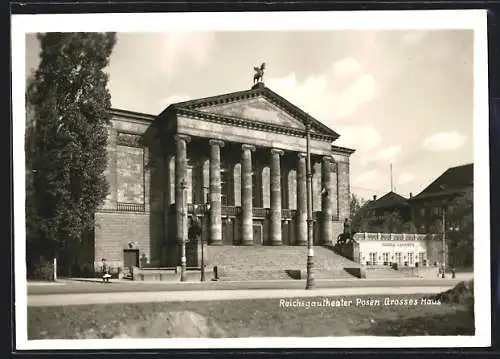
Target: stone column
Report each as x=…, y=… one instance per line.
x=246, y=195
x=301, y=200
x=215, y=193
x=275, y=197
x=181, y=142
x=326, y=200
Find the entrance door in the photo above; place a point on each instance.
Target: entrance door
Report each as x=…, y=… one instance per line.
x=285, y=233
x=130, y=258
x=257, y=233
x=227, y=231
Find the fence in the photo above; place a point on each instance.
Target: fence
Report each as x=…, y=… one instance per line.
x=365, y=236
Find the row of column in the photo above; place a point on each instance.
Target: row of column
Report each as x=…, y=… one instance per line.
x=327, y=183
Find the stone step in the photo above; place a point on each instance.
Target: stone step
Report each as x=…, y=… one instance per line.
x=374, y=273
x=242, y=275
x=245, y=275
x=285, y=257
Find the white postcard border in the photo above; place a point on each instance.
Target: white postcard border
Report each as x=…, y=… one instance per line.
x=277, y=21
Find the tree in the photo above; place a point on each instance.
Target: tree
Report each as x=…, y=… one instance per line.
x=359, y=214
x=392, y=223
x=460, y=230
x=70, y=102
x=409, y=227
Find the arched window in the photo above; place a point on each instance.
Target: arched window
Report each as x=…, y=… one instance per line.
x=256, y=188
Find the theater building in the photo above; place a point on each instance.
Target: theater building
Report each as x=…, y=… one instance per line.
x=235, y=161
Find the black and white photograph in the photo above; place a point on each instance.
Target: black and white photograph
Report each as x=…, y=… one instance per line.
x=251, y=180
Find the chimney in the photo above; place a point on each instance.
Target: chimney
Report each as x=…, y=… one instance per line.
x=411, y=195
x=374, y=197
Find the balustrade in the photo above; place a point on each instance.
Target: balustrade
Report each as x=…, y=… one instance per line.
x=130, y=207
x=362, y=236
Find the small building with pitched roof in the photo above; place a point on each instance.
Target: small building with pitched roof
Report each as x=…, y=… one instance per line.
x=379, y=208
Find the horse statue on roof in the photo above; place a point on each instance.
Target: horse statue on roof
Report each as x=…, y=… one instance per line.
x=259, y=73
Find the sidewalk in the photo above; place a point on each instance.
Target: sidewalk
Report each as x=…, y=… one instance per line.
x=42, y=283
x=210, y=295
x=458, y=277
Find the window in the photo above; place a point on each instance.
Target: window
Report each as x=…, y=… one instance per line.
x=224, y=186
x=411, y=259
x=373, y=258
x=399, y=259
x=421, y=258
x=385, y=258
x=189, y=183
x=255, y=190
x=422, y=212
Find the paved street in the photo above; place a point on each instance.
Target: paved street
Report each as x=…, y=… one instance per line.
x=182, y=295
x=96, y=286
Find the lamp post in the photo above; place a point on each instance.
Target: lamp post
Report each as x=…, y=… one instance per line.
x=444, y=241
x=206, y=211
x=310, y=250
x=183, y=235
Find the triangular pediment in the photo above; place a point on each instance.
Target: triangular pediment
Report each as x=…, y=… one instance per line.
x=256, y=109
x=259, y=105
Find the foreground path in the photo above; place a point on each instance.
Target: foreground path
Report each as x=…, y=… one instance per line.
x=43, y=300
x=96, y=286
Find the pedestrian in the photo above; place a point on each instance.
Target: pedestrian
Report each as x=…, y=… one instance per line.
x=105, y=272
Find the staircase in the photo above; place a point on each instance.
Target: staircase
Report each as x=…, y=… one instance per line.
x=275, y=262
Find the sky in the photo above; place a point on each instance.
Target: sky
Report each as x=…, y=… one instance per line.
x=400, y=97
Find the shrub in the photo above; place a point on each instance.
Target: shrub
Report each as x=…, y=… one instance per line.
x=462, y=294
x=43, y=270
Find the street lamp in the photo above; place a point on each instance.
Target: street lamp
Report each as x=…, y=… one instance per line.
x=443, y=188
x=444, y=241
x=310, y=250
x=183, y=234
x=206, y=211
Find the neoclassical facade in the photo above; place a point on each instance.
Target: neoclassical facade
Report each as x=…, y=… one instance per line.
x=243, y=153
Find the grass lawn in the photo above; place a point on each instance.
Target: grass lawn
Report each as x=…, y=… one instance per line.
x=254, y=318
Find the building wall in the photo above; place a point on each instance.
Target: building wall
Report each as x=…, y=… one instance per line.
x=426, y=212
x=428, y=249
x=344, y=189
x=392, y=247
x=114, y=231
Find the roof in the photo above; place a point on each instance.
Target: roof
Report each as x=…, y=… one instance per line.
x=453, y=180
x=344, y=150
x=389, y=200
x=196, y=104
x=132, y=114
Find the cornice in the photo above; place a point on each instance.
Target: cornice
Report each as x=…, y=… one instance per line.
x=343, y=150
x=249, y=124
x=131, y=115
